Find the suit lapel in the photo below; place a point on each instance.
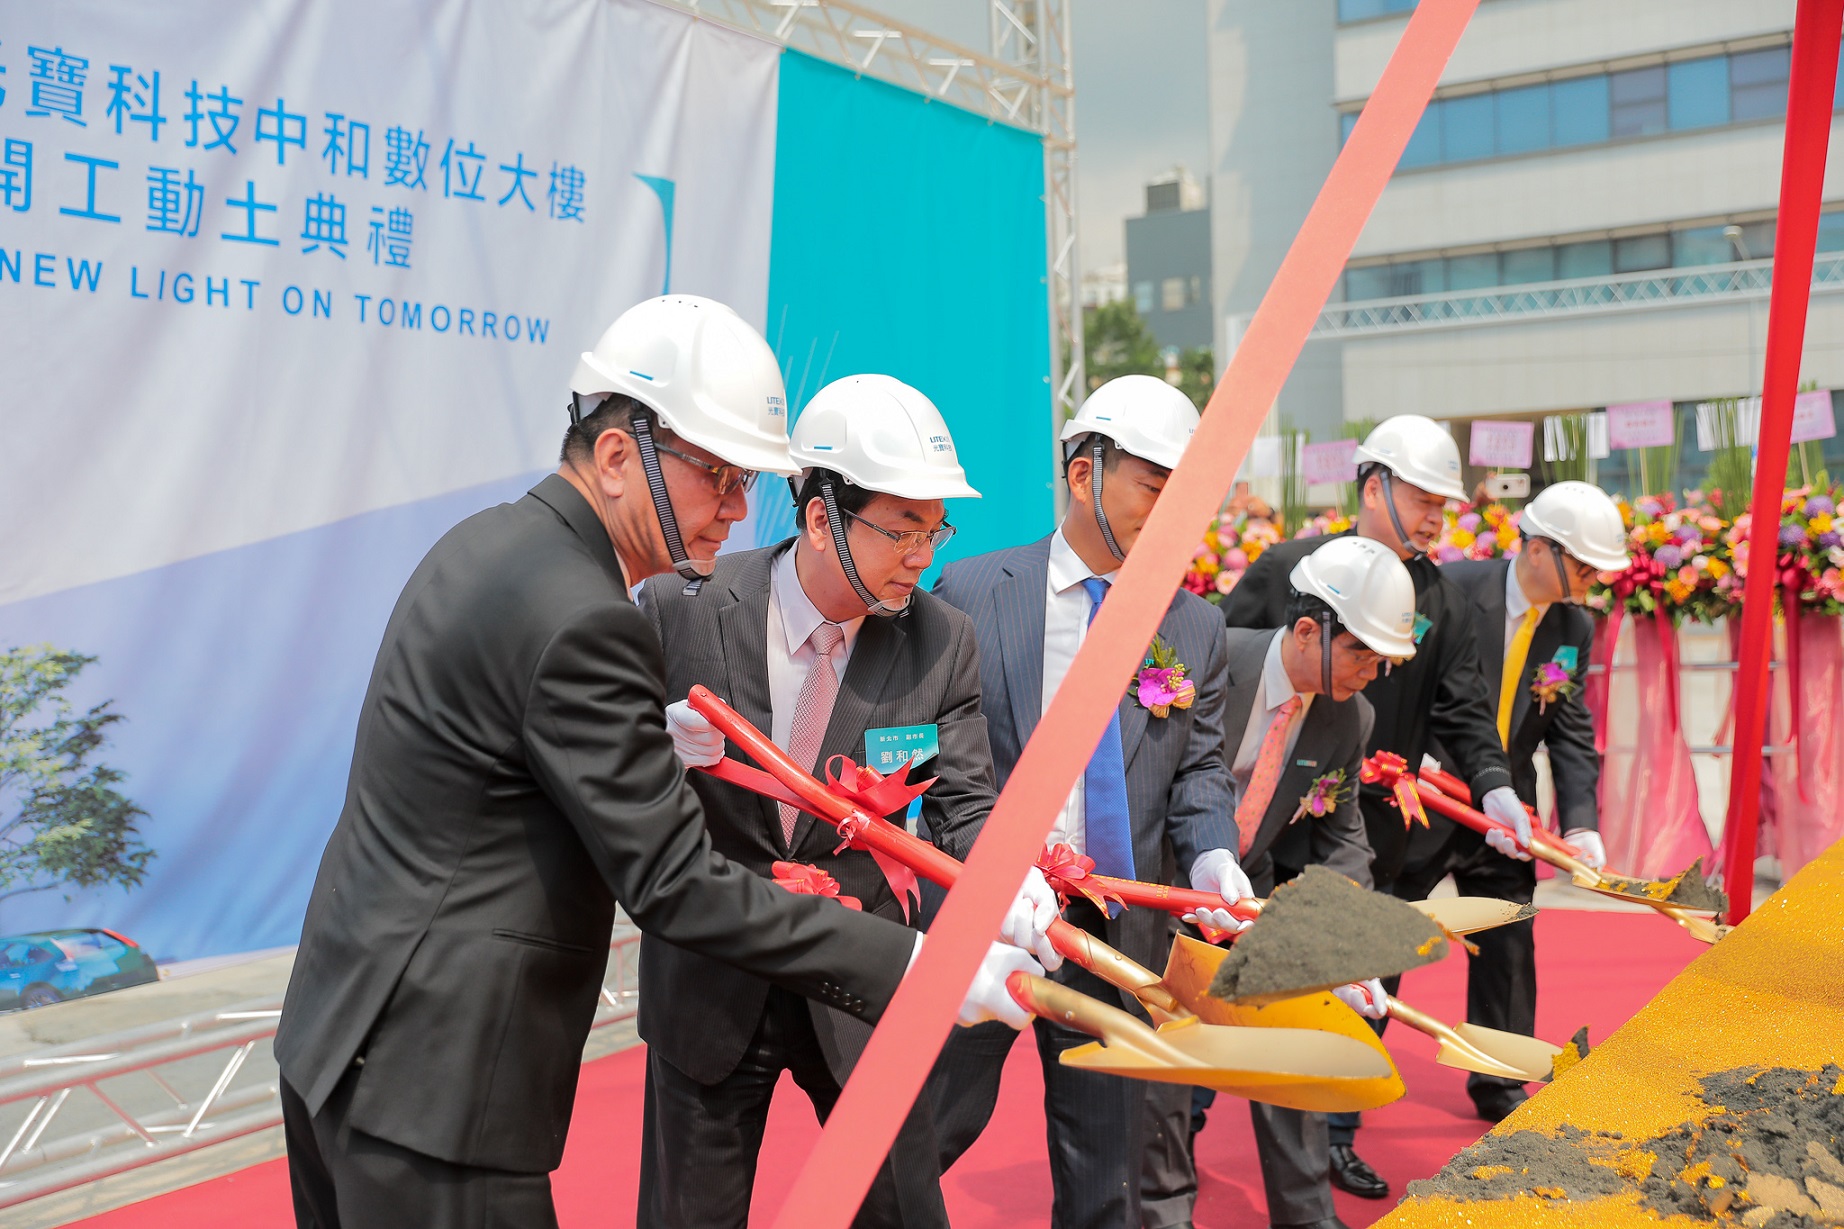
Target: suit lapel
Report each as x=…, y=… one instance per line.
x=1297, y=778
x=867, y=675
x=1019, y=603
x=743, y=626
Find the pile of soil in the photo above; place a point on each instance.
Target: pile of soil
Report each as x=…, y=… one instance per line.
x=1689, y=889
x=1321, y=930
x=1770, y=1155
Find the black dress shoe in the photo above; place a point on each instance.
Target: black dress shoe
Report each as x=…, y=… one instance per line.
x=1497, y=1104
x=1330, y=1222
x=1350, y=1173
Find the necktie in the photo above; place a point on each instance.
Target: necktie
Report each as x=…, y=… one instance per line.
x=1515, y=656
x=812, y=711
x=1265, y=775
x=1107, y=831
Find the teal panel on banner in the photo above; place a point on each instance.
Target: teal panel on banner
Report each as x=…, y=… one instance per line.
x=909, y=241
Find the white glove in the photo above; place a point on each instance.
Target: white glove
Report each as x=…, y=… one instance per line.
x=987, y=998
x=1367, y=998
x=1502, y=804
x=1216, y=871
x=1593, y=853
x=1029, y=918
x=698, y=743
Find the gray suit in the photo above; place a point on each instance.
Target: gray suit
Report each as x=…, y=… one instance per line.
x=1293, y=1145
x=1181, y=801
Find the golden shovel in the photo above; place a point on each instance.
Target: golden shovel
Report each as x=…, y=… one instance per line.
x=1229, y=1059
x=1473, y=1047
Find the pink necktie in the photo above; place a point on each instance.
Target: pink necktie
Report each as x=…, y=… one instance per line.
x=1265, y=776
x=812, y=711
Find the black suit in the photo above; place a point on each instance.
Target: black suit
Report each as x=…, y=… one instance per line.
x=1501, y=982
x=512, y=781
x=702, y=1019
x=1293, y=1145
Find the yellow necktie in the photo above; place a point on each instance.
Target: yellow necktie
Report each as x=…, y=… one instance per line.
x=1515, y=656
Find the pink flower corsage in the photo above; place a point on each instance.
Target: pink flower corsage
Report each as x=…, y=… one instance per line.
x=1551, y=681
x=1325, y=796
x=1161, y=685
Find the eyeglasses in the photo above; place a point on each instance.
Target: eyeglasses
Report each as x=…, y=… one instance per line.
x=911, y=541
x=725, y=478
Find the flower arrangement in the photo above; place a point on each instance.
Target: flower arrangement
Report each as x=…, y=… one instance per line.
x=1161, y=685
x=1811, y=550
x=1324, y=523
x=1485, y=531
x=1328, y=792
x=1682, y=560
x=1236, y=540
x=1550, y=682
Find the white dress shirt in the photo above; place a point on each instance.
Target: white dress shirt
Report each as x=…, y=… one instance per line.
x=1275, y=690
x=1515, y=606
x=792, y=616
x=1066, y=607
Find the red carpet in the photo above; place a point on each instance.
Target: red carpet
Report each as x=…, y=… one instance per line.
x=1597, y=969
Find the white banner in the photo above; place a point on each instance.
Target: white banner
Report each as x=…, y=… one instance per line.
x=268, y=265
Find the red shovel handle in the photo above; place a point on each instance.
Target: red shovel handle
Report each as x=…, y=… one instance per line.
x=1175, y=901
x=1442, y=803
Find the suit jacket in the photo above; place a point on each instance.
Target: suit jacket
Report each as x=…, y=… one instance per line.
x=1437, y=694
x=921, y=668
x=511, y=783
x=1332, y=737
x=1179, y=791
x=1564, y=724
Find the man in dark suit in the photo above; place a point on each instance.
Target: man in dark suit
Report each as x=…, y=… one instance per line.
x=904, y=673
x=1295, y=729
x=512, y=783
x=1156, y=788
x=1535, y=640
x=1408, y=467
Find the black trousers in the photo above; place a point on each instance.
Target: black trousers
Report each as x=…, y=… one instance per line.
x=1501, y=981
x=701, y=1142
x=1093, y=1122
x=346, y=1179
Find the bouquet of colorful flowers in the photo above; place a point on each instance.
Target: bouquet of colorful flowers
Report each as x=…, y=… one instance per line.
x=1323, y=524
x=1682, y=560
x=1487, y=531
x=1811, y=550
x=1229, y=547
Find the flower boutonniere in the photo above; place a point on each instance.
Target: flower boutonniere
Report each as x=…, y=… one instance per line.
x=1161, y=685
x=1551, y=681
x=1328, y=792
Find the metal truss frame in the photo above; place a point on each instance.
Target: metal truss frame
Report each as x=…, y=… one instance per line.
x=1739, y=281
x=35, y=1162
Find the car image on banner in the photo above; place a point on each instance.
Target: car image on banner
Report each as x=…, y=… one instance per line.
x=37, y=970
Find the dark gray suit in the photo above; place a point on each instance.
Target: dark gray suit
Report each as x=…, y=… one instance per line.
x=1181, y=802
x=513, y=781
x=1293, y=1145
x=702, y=1019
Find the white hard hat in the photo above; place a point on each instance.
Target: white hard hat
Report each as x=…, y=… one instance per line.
x=1583, y=520
x=704, y=370
x=1418, y=451
x=1369, y=589
x=1143, y=415
x=880, y=434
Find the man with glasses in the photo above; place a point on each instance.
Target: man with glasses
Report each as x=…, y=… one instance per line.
x=1534, y=643
x=824, y=643
x=1156, y=786
x=512, y=783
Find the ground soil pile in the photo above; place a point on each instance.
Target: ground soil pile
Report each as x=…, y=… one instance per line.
x=1689, y=890
x=1322, y=930
x=1769, y=1155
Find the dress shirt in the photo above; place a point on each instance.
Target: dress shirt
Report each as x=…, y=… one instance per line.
x=1066, y=607
x=1275, y=690
x=1515, y=604
x=792, y=616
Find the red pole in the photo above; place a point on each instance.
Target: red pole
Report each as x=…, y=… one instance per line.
x=1816, y=32
x=901, y=1052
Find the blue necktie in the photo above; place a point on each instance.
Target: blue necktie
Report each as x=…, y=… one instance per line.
x=1108, y=835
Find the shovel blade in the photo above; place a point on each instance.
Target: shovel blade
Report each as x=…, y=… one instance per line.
x=1531, y=1058
x=1298, y=1068
x=1465, y=915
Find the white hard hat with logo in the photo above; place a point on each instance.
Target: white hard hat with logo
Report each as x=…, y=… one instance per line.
x=704, y=370
x=880, y=434
x=1583, y=520
x=1367, y=587
x=1143, y=415
x=1418, y=451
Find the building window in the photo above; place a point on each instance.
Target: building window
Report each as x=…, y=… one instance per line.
x=1591, y=259
x=1363, y=10
x=1527, y=265
x=1196, y=291
x=1580, y=110
x=1638, y=102
x=1699, y=93
x=1466, y=128
x=1641, y=252
x=1700, y=245
x=1143, y=298
x=1523, y=119
x=1757, y=83
x=1424, y=147
x=1172, y=294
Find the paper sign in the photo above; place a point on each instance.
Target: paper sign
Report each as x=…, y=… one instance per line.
x=1641, y=424
x=1502, y=445
x=1329, y=462
x=1812, y=417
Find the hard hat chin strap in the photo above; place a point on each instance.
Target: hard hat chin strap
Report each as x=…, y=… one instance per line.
x=1395, y=522
x=1562, y=573
x=694, y=572
x=835, y=520
x=1325, y=654
x=1096, y=452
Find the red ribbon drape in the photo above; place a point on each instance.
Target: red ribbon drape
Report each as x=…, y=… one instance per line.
x=1810, y=99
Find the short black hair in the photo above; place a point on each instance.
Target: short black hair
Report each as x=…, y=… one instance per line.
x=1110, y=452
x=1366, y=469
x=1312, y=606
x=616, y=413
x=851, y=498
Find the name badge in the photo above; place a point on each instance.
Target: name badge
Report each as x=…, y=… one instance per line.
x=1422, y=624
x=1306, y=763
x=1566, y=657
x=890, y=748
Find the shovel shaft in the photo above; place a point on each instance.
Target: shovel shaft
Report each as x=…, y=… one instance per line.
x=1071, y=942
x=1453, y=1046
x=1422, y=1022
x=1042, y=997
x=1176, y=901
